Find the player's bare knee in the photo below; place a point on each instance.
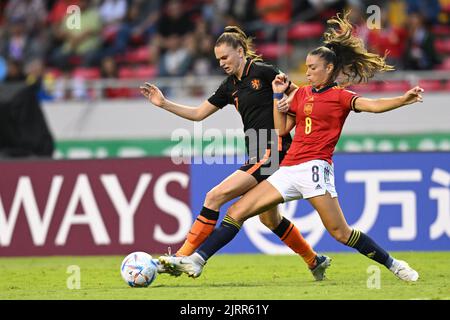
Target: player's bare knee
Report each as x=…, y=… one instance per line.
x=270, y=222
x=214, y=199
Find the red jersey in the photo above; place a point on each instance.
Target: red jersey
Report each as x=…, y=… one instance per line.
x=320, y=116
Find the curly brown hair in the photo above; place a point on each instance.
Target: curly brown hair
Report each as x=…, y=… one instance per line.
x=348, y=54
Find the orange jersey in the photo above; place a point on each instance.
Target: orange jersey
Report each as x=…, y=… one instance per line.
x=320, y=116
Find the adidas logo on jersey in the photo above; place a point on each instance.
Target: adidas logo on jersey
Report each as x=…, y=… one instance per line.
x=318, y=187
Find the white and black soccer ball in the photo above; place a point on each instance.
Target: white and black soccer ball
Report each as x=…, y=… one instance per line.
x=138, y=269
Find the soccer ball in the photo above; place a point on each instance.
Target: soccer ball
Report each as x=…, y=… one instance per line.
x=138, y=269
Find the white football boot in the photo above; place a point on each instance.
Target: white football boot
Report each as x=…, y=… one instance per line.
x=191, y=265
x=162, y=268
x=403, y=271
x=322, y=263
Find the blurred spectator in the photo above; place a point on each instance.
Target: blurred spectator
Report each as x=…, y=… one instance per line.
x=275, y=15
x=81, y=42
x=108, y=71
x=389, y=40
x=14, y=71
x=17, y=44
x=174, y=21
x=142, y=20
x=319, y=10
x=420, y=51
x=396, y=10
x=429, y=9
x=34, y=71
x=112, y=12
x=201, y=46
x=109, y=68
x=139, y=25
x=33, y=12
x=241, y=11
x=55, y=19
x=176, y=59
x=174, y=29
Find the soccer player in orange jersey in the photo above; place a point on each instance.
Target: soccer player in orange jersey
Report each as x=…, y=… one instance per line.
x=318, y=111
x=249, y=87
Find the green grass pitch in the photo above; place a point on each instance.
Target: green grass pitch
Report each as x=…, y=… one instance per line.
x=255, y=276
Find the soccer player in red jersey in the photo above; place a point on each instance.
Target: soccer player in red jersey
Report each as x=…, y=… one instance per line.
x=318, y=111
x=249, y=87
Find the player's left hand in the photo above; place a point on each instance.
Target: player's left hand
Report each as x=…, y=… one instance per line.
x=413, y=95
x=283, y=105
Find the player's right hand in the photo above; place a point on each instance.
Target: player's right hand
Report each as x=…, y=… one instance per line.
x=153, y=94
x=280, y=83
x=413, y=95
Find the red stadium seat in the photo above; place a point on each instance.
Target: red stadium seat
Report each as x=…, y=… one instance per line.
x=140, y=72
x=306, y=30
x=117, y=93
x=137, y=39
x=395, y=86
x=146, y=72
x=442, y=46
x=441, y=30
x=139, y=55
x=274, y=50
x=86, y=73
x=75, y=60
x=445, y=65
x=431, y=85
x=446, y=86
x=109, y=34
x=126, y=73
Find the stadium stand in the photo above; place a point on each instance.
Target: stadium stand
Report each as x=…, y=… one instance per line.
x=134, y=34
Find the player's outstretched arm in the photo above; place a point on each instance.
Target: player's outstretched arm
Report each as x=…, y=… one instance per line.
x=155, y=96
x=387, y=104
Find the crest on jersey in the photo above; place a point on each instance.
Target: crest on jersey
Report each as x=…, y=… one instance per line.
x=307, y=109
x=256, y=84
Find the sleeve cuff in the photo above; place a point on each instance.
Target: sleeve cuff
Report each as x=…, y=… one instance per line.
x=352, y=104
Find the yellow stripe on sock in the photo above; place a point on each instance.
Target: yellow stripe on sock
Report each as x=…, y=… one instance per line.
x=230, y=220
x=233, y=222
x=354, y=239
x=352, y=236
x=357, y=238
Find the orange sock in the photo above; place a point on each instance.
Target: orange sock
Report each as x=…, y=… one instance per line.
x=201, y=229
x=292, y=237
